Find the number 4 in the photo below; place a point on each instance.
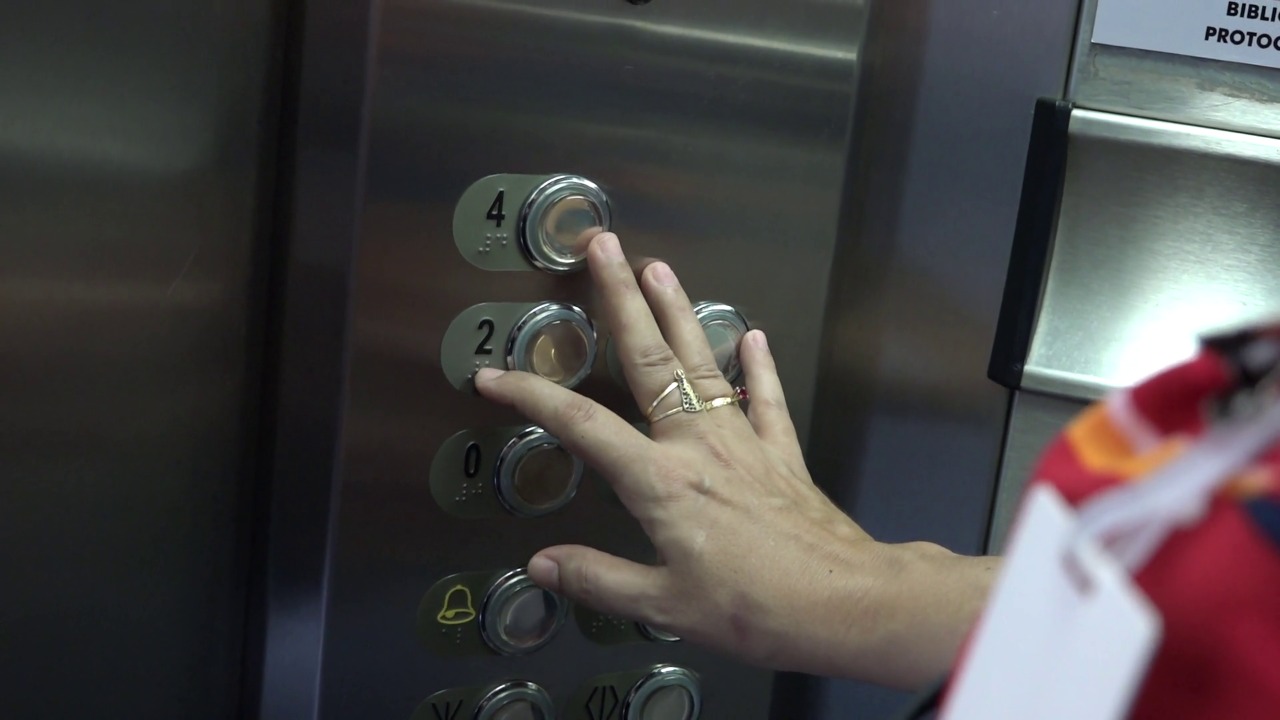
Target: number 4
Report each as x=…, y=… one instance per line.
x=495, y=210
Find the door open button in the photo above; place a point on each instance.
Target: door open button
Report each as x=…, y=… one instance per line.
x=535, y=476
x=519, y=617
x=556, y=341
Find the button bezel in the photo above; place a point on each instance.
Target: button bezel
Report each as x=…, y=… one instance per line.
x=541, y=316
x=540, y=201
x=490, y=619
x=653, y=634
x=502, y=695
x=712, y=312
x=508, y=465
x=663, y=676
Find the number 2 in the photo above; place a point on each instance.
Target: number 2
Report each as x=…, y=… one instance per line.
x=483, y=348
x=495, y=210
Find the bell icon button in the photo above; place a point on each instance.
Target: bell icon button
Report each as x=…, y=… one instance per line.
x=457, y=609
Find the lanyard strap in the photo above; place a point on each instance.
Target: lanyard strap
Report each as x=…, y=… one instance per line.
x=1132, y=521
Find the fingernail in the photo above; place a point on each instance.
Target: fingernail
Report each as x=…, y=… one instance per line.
x=545, y=572
x=487, y=374
x=609, y=246
x=760, y=340
x=663, y=274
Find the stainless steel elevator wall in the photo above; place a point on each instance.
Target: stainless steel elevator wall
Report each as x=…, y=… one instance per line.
x=719, y=131
x=131, y=139
x=1165, y=229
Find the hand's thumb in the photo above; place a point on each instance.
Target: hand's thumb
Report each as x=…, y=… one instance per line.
x=603, y=582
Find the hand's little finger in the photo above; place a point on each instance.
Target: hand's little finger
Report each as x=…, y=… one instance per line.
x=768, y=410
x=603, y=582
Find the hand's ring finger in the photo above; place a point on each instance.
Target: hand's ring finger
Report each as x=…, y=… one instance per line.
x=689, y=401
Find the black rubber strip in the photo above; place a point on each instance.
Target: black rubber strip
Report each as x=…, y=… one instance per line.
x=1032, y=241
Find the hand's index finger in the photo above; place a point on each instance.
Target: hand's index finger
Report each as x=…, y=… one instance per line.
x=584, y=427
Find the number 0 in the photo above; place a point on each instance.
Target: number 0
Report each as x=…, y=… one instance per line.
x=471, y=460
x=495, y=209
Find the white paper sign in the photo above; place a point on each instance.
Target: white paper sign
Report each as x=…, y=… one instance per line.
x=1057, y=641
x=1243, y=32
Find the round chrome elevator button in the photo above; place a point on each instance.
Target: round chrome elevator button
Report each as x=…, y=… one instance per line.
x=656, y=635
x=556, y=341
x=559, y=220
x=666, y=693
x=516, y=701
x=724, y=327
x=518, y=617
x=535, y=476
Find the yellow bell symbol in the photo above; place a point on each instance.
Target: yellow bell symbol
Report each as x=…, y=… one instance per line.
x=457, y=608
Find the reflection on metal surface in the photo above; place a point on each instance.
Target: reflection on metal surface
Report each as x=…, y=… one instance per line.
x=514, y=701
x=1165, y=231
x=1034, y=421
x=556, y=341
x=559, y=220
x=133, y=136
x=535, y=476
x=666, y=693
x=518, y=617
x=1172, y=87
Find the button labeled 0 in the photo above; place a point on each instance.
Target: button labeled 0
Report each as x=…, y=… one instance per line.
x=521, y=471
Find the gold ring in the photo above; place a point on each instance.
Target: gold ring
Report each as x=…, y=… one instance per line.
x=689, y=400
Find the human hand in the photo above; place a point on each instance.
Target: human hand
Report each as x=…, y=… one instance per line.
x=755, y=560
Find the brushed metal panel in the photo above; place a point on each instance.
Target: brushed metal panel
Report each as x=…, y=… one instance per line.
x=719, y=131
x=130, y=138
x=1034, y=420
x=1171, y=87
x=1165, y=231
x=908, y=429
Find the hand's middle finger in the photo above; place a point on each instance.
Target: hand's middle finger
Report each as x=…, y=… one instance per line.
x=647, y=361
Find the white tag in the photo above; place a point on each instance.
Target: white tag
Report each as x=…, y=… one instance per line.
x=1243, y=32
x=1066, y=635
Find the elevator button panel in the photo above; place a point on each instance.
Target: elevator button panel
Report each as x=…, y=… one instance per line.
x=724, y=327
x=552, y=339
x=489, y=613
x=504, y=471
x=509, y=700
x=612, y=630
x=530, y=222
x=662, y=692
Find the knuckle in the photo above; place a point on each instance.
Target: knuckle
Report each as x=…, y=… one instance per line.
x=654, y=356
x=579, y=411
x=705, y=373
x=584, y=581
x=720, y=454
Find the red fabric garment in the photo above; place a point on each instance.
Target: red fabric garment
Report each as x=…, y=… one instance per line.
x=1216, y=583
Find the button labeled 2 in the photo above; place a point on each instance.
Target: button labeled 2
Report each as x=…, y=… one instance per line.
x=552, y=339
x=527, y=222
